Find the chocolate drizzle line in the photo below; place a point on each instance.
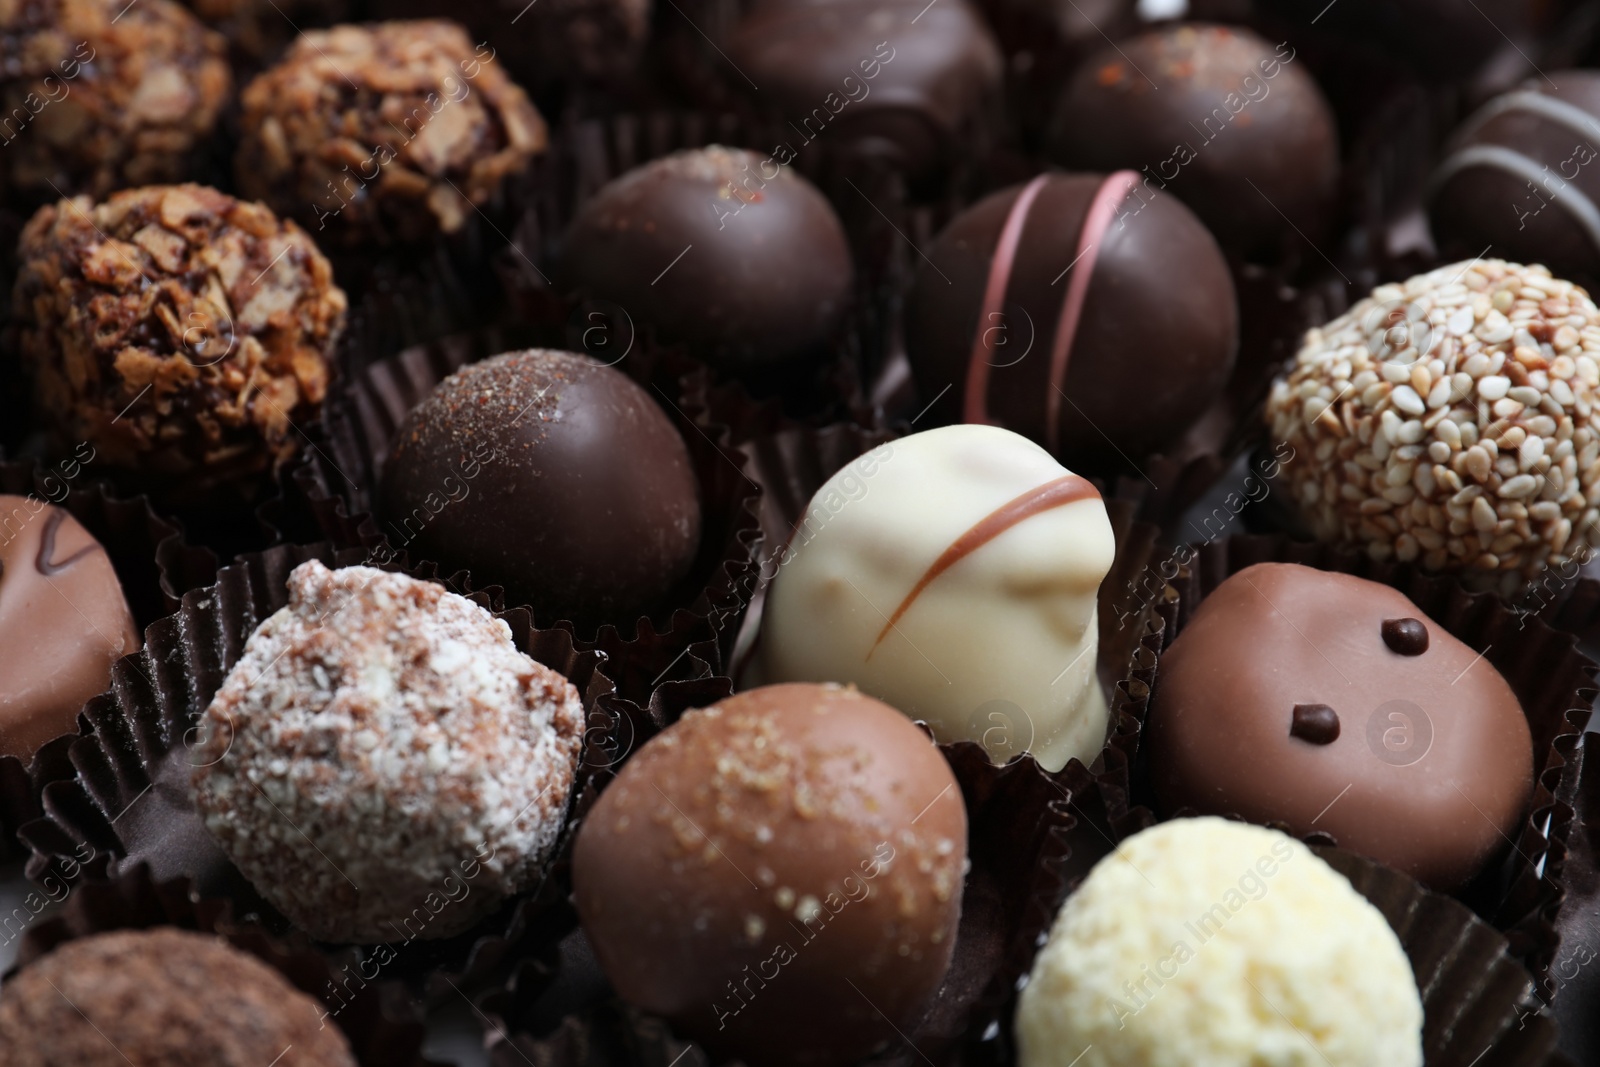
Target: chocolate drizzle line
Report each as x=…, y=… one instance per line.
x=1096, y=221
x=976, y=405
x=1068, y=489
x=47, y=546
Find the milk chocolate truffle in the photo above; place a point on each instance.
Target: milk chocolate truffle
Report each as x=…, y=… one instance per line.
x=382, y=763
x=902, y=82
x=954, y=574
x=1418, y=755
x=1451, y=421
x=1216, y=116
x=97, y=95
x=162, y=996
x=778, y=875
x=552, y=475
x=1212, y=944
x=721, y=248
x=1032, y=304
x=180, y=332
x=63, y=622
x=383, y=134
x=1517, y=180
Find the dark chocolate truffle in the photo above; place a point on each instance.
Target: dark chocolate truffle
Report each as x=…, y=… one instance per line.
x=778, y=875
x=96, y=96
x=1431, y=766
x=383, y=763
x=1522, y=177
x=394, y=132
x=63, y=622
x=180, y=332
x=721, y=248
x=162, y=996
x=592, y=40
x=1074, y=311
x=1045, y=41
x=551, y=475
x=1216, y=116
x=906, y=82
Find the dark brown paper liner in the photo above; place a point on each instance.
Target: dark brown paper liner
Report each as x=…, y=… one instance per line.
x=155, y=567
x=383, y=1028
x=98, y=819
x=1575, y=974
x=1554, y=683
x=336, y=484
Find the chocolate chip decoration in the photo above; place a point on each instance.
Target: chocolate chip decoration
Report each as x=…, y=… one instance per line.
x=1409, y=637
x=1316, y=723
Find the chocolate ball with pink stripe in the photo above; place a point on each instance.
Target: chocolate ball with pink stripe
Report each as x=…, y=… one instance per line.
x=1079, y=311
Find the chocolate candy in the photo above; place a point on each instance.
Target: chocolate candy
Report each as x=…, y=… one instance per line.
x=63, y=623
x=1461, y=37
x=953, y=573
x=1521, y=178
x=95, y=98
x=1219, y=118
x=1282, y=700
x=163, y=996
x=180, y=332
x=779, y=875
x=1031, y=303
x=551, y=475
x=384, y=134
x=724, y=249
x=901, y=82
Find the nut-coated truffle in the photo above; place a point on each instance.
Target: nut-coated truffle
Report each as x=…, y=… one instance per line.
x=1450, y=420
x=389, y=133
x=1031, y=305
x=721, y=248
x=1216, y=116
x=178, y=331
x=162, y=996
x=779, y=875
x=1326, y=702
x=1207, y=943
x=98, y=96
x=553, y=476
x=383, y=764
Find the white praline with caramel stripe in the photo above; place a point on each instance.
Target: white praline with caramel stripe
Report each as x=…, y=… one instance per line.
x=1000, y=648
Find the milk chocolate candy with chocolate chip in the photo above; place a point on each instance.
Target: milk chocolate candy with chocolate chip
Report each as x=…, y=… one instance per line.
x=779, y=875
x=1521, y=179
x=63, y=623
x=1286, y=699
x=1078, y=310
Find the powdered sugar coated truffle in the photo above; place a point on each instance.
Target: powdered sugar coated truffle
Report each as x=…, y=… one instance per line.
x=1204, y=943
x=383, y=763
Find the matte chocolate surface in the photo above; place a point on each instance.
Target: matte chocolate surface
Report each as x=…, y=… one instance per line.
x=1078, y=313
x=549, y=474
x=1431, y=765
x=720, y=248
x=779, y=875
x=1227, y=122
x=63, y=623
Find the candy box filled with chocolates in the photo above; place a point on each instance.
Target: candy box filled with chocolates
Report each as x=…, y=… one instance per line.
x=799, y=533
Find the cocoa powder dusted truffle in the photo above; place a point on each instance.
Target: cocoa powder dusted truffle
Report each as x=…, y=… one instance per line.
x=97, y=95
x=177, y=330
x=779, y=875
x=391, y=132
x=382, y=763
x=162, y=996
x=721, y=248
x=1450, y=421
x=552, y=475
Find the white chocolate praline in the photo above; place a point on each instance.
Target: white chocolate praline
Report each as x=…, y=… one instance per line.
x=1210, y=943
x=1001, y=647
